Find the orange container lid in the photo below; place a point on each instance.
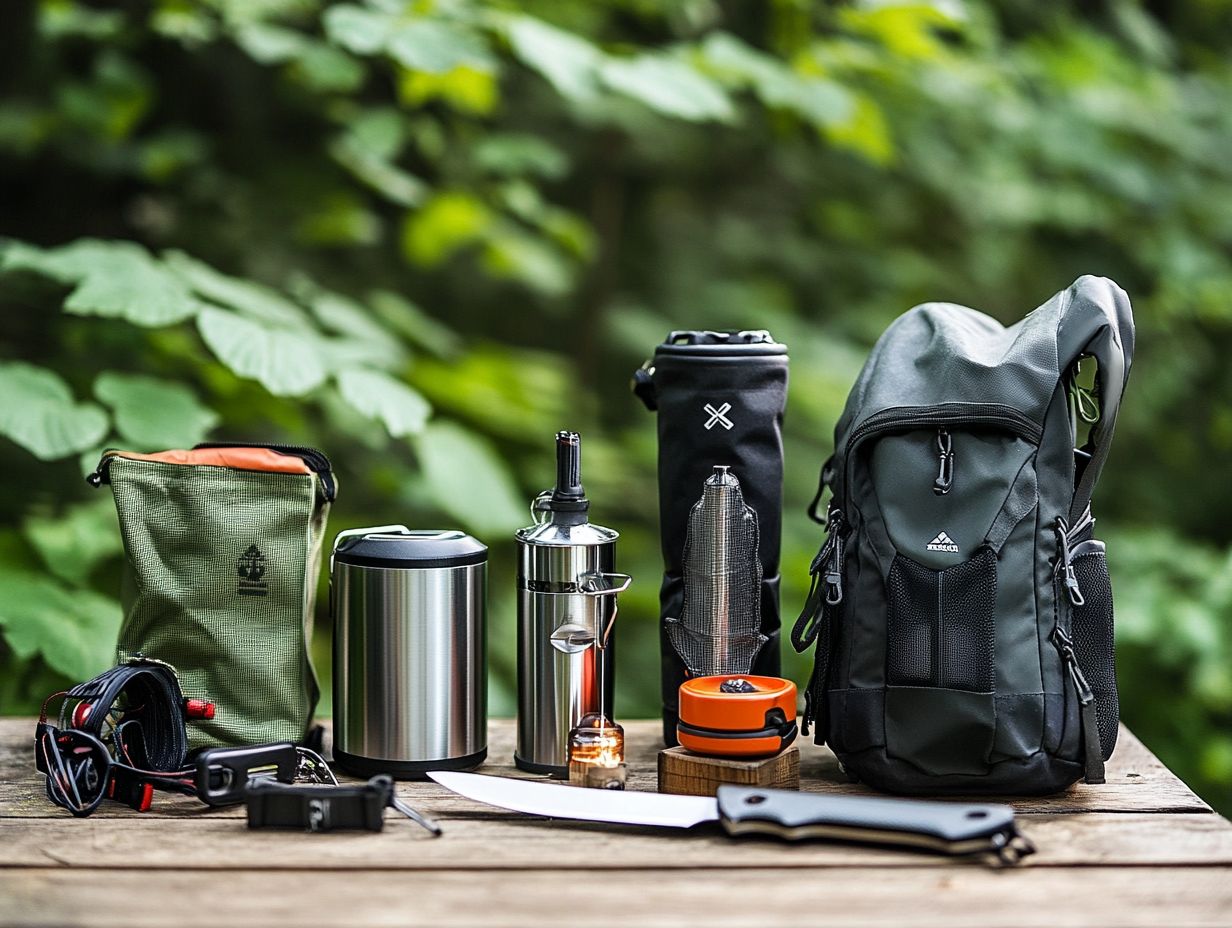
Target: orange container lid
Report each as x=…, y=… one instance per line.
x=704, y=704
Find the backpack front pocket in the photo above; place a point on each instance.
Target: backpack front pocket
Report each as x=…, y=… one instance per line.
x=941, y=624
x=940, y=663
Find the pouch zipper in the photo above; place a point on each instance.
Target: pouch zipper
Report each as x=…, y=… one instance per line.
x=316, y=460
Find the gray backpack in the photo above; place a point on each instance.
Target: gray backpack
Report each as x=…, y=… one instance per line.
x=960, y=605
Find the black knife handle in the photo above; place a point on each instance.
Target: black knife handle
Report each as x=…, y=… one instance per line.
x=946, y=827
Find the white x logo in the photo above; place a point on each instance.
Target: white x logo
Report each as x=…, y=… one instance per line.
x=719, y=417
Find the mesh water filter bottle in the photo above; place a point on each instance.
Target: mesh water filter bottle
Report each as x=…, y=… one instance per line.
x=719, y=398
x=718, y=630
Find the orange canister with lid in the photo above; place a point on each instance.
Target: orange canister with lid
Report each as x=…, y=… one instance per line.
x=737, y=716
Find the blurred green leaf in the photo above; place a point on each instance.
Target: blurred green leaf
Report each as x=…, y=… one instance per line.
x=518, y=154
x=447, y=222
x=408, y=320
x=669, y=86
x=152, y=413
x=73, y=631
x=345, y=316
x=437, y=47
x=378, y=396
x=40, y=414
x=326, y=69
x=75, y=541
x=270, y=44
x=568, y=62
x=395, y=184
x=244, y=296
x=467, y=479
x=519, y=395
x=357, y=29
x=822, y=102
x=112, y=279
x=464, y=88
x=285, y=362
x=511, y=253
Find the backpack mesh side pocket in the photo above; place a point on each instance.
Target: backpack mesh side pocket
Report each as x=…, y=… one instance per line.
x=1094, y=645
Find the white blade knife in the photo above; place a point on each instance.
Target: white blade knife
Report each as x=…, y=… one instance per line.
x=946, y=827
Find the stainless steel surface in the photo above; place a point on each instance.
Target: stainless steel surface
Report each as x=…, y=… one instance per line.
x=410, y=665
x=559, y=664
x=552, y=553
x=592, y=805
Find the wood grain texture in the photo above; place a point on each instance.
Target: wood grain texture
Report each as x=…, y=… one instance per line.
x=1137, y=781
x=922, y=898
x=1140, y=850
x=688, y=774
x=518, y=842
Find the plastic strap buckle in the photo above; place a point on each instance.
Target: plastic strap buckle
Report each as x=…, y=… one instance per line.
x=224, y=774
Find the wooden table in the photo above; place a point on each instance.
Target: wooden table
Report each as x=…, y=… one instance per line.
x=1139, y=850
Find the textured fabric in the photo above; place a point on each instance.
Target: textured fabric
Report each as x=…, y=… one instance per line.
x=1093, y=642
x=746, y=392
x=953, y=482
x=220, y=582
x=941, y=624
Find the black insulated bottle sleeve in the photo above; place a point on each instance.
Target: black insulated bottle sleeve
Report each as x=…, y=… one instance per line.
x=720, y=399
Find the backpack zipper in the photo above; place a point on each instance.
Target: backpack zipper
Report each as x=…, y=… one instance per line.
x=316, y=461
x=825, y=592
x=1093, y=752
x=945, y=471
x=1088, y=710
x=1065, y=564
x=908, y=418
x=905, y=418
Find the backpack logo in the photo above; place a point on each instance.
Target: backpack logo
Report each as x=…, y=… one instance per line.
x=719, y=417
x=251, y=567
x=942, y=542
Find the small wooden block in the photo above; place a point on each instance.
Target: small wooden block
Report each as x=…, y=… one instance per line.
x=694, y=775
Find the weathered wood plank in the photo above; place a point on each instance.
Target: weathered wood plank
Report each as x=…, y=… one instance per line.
x=1137, y=781
x=520, y=842
x=1066, y=898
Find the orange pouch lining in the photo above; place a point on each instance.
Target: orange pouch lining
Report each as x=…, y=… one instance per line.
x=260, y=459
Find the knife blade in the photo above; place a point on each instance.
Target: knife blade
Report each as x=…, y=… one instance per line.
x=953, y=828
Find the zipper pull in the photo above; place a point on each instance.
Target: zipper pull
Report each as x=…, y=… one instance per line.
x=825, y=588
x=945, y=469
x=1088, y=711
x=834, y=572
x=100, y=474
x=1065, y=645
x=1069, y=577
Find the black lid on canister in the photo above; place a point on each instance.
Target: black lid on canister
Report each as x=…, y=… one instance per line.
x=397, y=547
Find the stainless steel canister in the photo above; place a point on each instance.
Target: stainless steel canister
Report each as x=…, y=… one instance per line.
x=410, y=668
x=566, y=608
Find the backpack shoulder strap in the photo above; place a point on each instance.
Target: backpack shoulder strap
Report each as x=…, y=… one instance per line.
x=1095, y=319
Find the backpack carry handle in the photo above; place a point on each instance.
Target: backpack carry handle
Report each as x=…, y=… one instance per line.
x=1097, y=321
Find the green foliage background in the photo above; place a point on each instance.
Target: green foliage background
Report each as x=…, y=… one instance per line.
x=425, y=235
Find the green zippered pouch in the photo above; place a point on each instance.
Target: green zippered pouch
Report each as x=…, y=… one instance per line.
x=223, y=548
